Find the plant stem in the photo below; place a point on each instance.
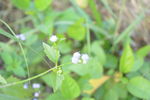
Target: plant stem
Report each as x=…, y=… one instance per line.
x=26, y=80
x=19, y=45
x=88, y=39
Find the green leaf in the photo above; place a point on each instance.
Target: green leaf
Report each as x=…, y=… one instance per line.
x=53, y=80
x=140, y=54
x=21, y=4
x=92, y=68
x=56, y=96
x=111, y=95
x=86, y=98
x=17, y=90
x=2, y=80
x=70, y=89
x=8, y=97
x=112, y=62
x=50, y=79
x=19, y=71
x=98, y=51
x=77, y=30
x=96, y=14
x=51, y=52
x=127, y=59
x=42, y=4
x=6, y=57
x=139, y=87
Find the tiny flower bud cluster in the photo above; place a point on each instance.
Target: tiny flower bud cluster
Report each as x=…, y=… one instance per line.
x=77, y=58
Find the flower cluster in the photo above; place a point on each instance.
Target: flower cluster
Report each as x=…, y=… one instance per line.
x=80, y=58
x=21, y=37
x=53, y=38
x=34, y=86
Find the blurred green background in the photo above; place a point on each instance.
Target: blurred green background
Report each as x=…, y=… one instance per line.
x=114, y=33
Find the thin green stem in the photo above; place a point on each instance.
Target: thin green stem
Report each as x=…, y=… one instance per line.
x=19, y=45
x=88, y=39
x=119, y=19
x=26, y=80
x=34, y=77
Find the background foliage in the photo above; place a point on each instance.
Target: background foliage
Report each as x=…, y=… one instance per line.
x=118, y=68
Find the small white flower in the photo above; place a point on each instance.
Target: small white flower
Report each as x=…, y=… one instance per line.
x=36, y=85
x=21, y=37
x=34, y=99
x=53, y=38
x=75, y=60
x=25, y=86
x=36, y=94
x=85, y=58
x=76, y=55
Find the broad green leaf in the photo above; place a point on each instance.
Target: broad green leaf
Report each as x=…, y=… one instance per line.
x=42, y=4
x=56, y=96
x=112, y=62
x=93, y=68
x=50, y=79
x=19, y=71
x=70, y=89
x=53, y=80
x=77, y=30
x=51, y=52
x=86, y=98
x=145, y=70
x=111, y=95
x=98, y=51
x=8, y=97
x=137, y=63
x=17, y=90
x=139, y=87
x=140, y=54
x=127, y=59
x=22, y=4
x=121, y=90
x=6, y=57
x=2, y=80
x=59, y=80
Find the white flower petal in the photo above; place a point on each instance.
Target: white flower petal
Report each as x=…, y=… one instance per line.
x=36, y=94
x=21, y=37
x=75, y=60
x=53, y=38
x=76, y=55
x=85, y=58
x=25, y=86
x=36, y=85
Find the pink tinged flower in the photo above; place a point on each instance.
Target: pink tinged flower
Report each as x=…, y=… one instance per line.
x=53, y=38
x=21, y=37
